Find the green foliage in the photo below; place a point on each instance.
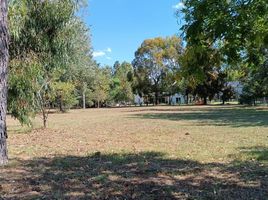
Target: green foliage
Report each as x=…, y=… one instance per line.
x=256, y=85
x=237, y=31
x=154, y=59
x=121, y=88
x=23, y=87
x=81, y=72
x=202, y=69
x=101, y=85
x=65, y=95
x=227, y=93
x=47, y=41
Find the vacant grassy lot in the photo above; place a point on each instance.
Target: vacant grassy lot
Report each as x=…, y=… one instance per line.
x=141, y=153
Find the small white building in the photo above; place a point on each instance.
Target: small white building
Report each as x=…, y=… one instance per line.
x=138, y=100
x=237, y=86
x=177, y=99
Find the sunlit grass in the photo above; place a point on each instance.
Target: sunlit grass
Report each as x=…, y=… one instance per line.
x=93, y=154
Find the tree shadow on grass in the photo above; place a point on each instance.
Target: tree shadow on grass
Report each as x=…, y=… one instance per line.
x=168, y=108
x=258, y=153
x=238, y=117
x=147, y=175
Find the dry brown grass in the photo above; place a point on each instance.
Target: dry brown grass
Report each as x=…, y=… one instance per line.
x=141, y=153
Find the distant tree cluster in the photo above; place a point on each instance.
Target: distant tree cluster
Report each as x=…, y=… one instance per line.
x=51, y=64
x=164, y=66
x=222, y=42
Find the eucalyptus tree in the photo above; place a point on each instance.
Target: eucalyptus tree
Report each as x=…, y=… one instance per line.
x=153, y=60
x=44, y=43
x=4, y=56
x=81, y=74
x=81, y=69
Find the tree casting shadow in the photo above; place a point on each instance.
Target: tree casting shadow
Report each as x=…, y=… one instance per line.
x=148, y=175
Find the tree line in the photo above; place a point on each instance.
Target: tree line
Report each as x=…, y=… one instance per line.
x=51, y=66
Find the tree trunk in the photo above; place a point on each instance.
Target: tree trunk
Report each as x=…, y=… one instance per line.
x=44, y=118
x=84, y=100
x=98, y=104
x=205, y=101
x=84, y=89
x=156, y=99
x=61, y=104
x=3, y=80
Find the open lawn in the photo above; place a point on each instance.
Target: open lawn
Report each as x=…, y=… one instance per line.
x=206, y=152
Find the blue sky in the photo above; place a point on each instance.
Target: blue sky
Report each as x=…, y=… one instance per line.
x=118, y=27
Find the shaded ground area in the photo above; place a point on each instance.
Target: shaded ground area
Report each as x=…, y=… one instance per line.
x=148, y=175
x=228, y=116
x=206, y=152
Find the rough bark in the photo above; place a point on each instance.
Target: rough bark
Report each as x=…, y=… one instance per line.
x=3, y=80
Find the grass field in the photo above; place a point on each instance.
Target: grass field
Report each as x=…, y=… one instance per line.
x=209, y=152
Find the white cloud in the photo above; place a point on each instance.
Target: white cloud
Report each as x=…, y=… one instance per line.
x=108, y=58
x=179, y=5
x=98, y=54
x=102, y=53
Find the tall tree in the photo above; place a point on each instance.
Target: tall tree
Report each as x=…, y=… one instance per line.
x=101, y=85
x=237, y=29
x=81, y=70
x=153, y=60
x=121, y=90
x=3, y=80
x=47, y=39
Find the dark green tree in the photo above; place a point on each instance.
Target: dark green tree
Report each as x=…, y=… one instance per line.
x=121, y=88
x=237, y=29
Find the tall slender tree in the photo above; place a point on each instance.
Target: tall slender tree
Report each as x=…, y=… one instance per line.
x=121, y=88
x=3, y=80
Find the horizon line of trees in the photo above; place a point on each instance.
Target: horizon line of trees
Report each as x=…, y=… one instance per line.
x=47, y=48
x=51, y=63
